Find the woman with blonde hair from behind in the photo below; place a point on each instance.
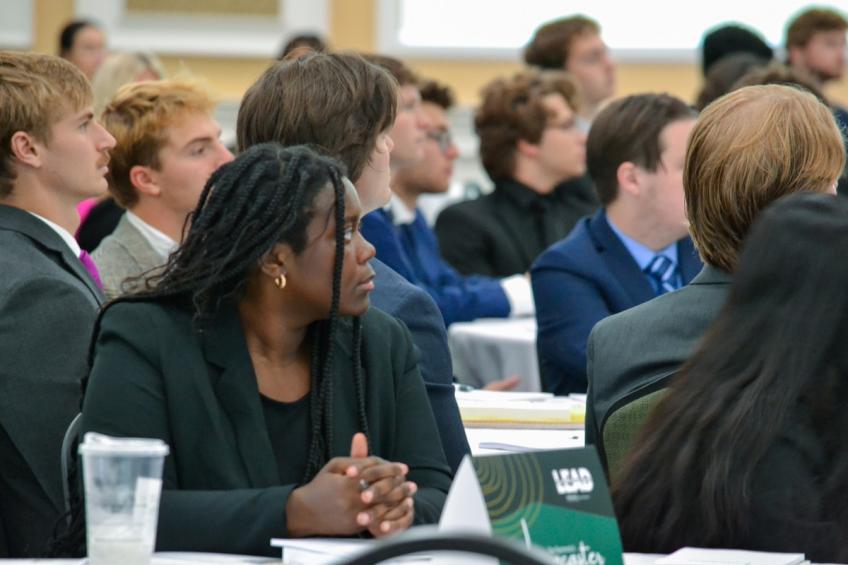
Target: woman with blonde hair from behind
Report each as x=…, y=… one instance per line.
x=120, y=69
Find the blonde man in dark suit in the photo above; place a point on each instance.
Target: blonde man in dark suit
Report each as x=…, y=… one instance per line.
x=52, y=156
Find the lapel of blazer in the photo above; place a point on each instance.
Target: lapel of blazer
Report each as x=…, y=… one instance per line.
x=49, y=241
x=619, y=261
x=225, y=347
x=138, y=248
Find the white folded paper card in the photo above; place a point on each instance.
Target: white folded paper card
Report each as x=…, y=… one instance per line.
x=698, y=556
x=320, y=551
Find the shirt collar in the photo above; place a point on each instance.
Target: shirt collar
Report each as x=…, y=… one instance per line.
x=641, y=254
x=61, y=232
x=399, y=212
x=522, y=194
x=161, y=243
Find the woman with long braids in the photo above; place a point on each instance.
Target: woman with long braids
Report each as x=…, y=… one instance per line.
x=290, y=407
x=748, y=449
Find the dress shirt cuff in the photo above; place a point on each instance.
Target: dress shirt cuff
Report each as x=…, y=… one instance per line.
x=520, y=295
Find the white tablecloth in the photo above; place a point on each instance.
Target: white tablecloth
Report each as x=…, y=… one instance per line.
x=489, y=349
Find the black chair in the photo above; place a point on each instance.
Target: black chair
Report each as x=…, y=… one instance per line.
x=69, y=445
x=428, y=540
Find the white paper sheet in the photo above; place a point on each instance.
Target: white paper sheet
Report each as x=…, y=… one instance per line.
x=698, y=556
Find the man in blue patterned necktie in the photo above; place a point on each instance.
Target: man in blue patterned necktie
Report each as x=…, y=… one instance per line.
x=634, y=249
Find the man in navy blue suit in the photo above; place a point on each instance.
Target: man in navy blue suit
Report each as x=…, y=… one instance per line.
x=635, y=248
x=404, y=240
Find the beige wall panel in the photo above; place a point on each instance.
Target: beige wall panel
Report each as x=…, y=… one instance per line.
x=353, y=26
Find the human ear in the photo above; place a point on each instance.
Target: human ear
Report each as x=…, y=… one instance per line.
x=273, y=263
x=143, y=178
x=26, y=149
x=526, y=148
x=795, y=55
x=628, y=176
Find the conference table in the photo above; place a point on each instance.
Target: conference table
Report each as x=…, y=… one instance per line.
x=488, y=350
x=483, y=440
x=185, y=558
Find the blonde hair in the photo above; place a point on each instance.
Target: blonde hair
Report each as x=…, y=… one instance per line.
x=120, y=69
x=36, y=91
x=749, y=148
x=138, y=117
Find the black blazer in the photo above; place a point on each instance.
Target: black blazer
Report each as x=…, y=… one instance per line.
x=155, y=375
x=501, y=234
x=48, y=303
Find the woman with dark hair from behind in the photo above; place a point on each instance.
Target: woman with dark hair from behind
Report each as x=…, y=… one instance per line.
x=748, y=448
x=257, y=359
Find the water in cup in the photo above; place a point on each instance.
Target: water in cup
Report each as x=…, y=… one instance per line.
x=123, y=482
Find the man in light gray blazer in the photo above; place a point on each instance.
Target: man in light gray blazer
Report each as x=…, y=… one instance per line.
x=53, y=156
x=746, y=150
x=168, y=145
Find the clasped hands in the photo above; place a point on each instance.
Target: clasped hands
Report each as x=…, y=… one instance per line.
x=353, y=494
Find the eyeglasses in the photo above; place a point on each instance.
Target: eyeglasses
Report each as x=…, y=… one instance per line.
x=442, y=138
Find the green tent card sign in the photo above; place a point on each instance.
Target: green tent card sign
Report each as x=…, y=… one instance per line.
x=557, y=500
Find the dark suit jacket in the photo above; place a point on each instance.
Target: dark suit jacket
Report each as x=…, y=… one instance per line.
x=411, y=250
x=414, y=307
x=48, y=303
x=501, y=234
x=633, y=349
x=578, y=282
x=156, y=375
x=789, y=509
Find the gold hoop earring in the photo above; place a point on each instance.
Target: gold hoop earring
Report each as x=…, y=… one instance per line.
x=280, y=281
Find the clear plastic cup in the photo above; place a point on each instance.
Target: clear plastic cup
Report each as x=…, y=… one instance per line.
x=123, y=481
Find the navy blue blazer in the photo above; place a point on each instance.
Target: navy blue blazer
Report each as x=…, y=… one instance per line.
x=579, y=281
x=411, y=250
x=412, y=306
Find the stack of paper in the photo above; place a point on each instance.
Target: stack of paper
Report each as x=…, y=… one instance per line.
x=326, y=551
x=697, y=556
x=486, y=409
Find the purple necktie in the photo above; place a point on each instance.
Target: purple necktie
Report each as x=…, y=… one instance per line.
x=89, y=265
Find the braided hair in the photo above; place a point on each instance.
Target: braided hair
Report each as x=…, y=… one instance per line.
x=247, y=206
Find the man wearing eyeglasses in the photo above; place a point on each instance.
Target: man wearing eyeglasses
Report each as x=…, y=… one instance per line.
x=406, y=243
x=535, y=154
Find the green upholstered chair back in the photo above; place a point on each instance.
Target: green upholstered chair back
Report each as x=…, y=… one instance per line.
x=622, y=427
